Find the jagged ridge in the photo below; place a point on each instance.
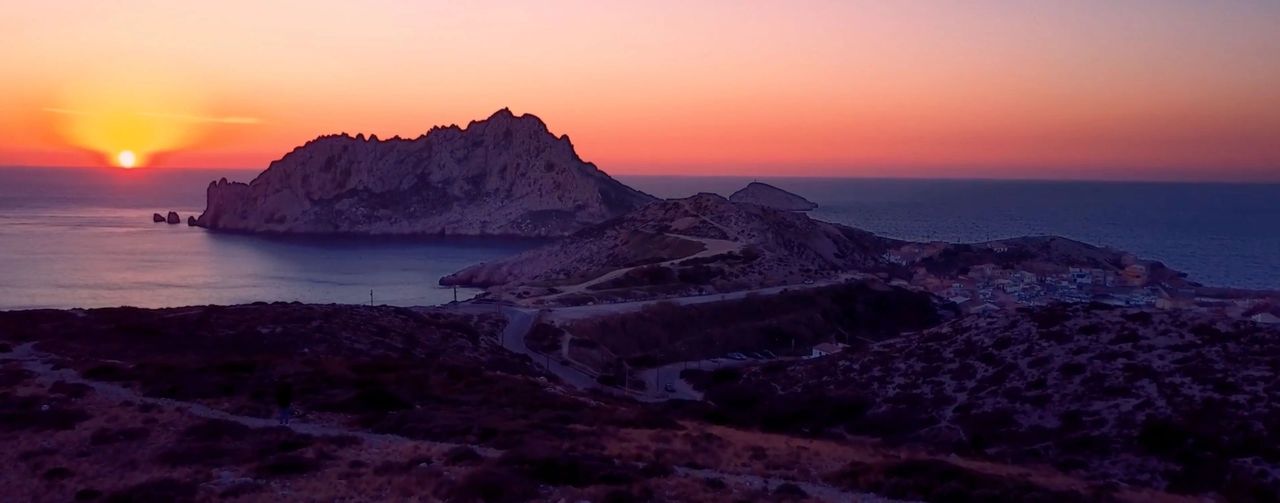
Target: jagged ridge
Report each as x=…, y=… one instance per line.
x=503, y=176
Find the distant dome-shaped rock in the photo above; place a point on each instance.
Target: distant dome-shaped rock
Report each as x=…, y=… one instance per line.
x=191, y=221
x=173, y=218
x=769, y=196
x=157, y=218
x=504, y=176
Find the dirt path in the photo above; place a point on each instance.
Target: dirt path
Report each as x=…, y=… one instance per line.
x=571, y=313
x=711, y=248
x=821, y=492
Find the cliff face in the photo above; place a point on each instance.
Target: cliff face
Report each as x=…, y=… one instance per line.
x=769, y=196
x=505, y=175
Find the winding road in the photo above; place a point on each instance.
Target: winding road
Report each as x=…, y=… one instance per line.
x=521, y=320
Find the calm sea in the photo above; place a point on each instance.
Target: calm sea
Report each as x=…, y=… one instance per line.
x=84, y=237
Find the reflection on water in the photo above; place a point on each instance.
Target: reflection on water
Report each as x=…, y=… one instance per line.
x=84, y=238
x=114, y=257
x=64, y=246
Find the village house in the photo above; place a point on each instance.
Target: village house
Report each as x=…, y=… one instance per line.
x=983, y=270
x=1135, y=275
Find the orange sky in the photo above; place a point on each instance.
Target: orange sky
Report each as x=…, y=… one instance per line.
x=1166, y=89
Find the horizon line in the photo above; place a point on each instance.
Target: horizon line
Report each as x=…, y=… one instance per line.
x=1184, y=181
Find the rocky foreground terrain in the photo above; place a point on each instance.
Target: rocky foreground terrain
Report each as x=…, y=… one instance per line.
x=701, y=243
x=1172, y=400
x=504, y=176
x=399, y=404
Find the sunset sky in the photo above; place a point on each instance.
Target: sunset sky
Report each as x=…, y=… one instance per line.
x=1162, y=89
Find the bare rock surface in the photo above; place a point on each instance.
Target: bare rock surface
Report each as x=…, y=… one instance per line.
x=503, y=176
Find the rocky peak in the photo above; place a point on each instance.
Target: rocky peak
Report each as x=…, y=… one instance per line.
x=505, y=175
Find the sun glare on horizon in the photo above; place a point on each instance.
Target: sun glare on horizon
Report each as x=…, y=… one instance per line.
x=126, y=159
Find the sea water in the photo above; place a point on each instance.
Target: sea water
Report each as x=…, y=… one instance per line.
x=85, y=238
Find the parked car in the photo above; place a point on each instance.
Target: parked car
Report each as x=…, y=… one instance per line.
x=736, y=356
x=755, y=356
x=768, y=354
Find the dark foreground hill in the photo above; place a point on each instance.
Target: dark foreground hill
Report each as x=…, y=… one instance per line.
x=1172, y=400
x=399, y=404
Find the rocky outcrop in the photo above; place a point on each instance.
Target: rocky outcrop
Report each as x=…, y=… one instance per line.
x=506, y=175
x=173, y=218
x=769, y=196
x=191, y=221
x=157, y=218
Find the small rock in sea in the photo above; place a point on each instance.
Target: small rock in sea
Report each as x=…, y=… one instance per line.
x=173, y=217
x=191, y=221
x=157, y=218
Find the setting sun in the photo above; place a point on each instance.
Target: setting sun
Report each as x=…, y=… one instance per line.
x=126, y=159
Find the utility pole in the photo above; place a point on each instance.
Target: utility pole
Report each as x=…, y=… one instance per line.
x=455, y=294
x=370, y=298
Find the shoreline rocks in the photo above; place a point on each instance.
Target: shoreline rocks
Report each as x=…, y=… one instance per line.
x=173, y=218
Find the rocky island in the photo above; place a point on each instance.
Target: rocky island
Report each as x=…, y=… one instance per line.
x=503, y=176
x=767, y=195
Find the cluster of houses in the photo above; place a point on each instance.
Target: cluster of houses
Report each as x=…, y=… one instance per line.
x=990, y=287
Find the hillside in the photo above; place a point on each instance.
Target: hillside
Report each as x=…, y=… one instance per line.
x=703, y=243
x=503, y=176
x=1174, y=399
x=397, y=404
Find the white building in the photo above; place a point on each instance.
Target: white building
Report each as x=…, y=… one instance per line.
x=826, y=348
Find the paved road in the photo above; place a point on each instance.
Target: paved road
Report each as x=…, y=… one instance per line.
x=583, y=312
x=656, y=379
x=520, y=321
x=710, y=248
